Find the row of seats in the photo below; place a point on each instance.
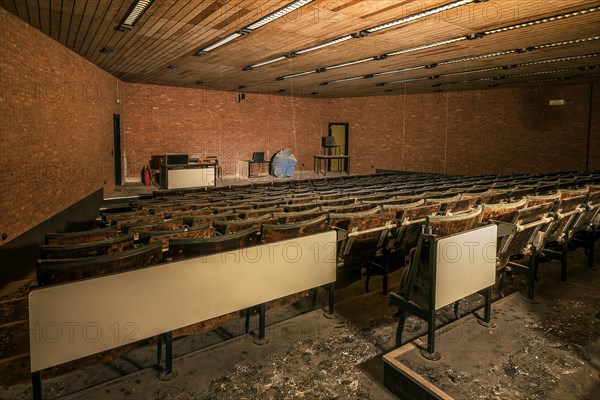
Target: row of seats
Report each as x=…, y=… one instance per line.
x=380, y=213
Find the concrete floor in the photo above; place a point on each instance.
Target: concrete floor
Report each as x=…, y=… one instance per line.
x=309, y=356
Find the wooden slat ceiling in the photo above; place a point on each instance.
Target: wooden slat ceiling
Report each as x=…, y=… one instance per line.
x=160, y=47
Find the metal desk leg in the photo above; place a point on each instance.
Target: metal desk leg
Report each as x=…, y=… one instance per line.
x=36, y=385
x=262, y=338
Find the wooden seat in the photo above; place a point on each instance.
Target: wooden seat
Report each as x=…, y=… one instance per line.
x=357, y=207
x=182, y=248
x=523, y=242
x=112, y=218
x=88, y=249
x=66, y=270
x=93, y=235
x=137, y=228
x=534, y=200
x=203, y=219
x=276, y=232
x=363, y=235
x=198, y=231
x=501, y=211
x=229, y=227
x=410, y=219
x=259, y=212
x=291, y=217
x=445, y=225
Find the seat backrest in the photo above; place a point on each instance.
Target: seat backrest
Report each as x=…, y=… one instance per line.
x=199, y=231
x=534, y=200
x=277, y=232
x=229, y=227
x=88, y=249
x=188, y=248
x=93, y=235
x=290, y=217
x=71, y=269
x=501, y=211
x=444, y=225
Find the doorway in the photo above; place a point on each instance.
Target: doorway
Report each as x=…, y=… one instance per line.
x=339, y=131
x=117, y=147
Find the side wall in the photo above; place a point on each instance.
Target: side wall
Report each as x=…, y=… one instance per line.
x=473, y=132
x=56, y=135
x=469, y=132
x=160, y=119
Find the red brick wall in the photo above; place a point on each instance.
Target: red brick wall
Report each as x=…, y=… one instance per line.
x=56, y=127
x=471, y=132
x=594, y=161
x=159, y=119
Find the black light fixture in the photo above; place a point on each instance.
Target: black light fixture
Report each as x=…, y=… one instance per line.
x=241, y=96
x=314, y=93
x=137, y=9
x=107, y=50
x=199, y=83
x=281, y=90
x=172, y=66
x=241, y=87
x=380, y=84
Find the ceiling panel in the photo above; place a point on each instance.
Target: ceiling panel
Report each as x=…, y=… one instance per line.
x=161, y=45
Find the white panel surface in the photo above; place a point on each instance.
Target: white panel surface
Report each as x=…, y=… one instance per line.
x=466, y=263
x=82, y=318
x=190, y=177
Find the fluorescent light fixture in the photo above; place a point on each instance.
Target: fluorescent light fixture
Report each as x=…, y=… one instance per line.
x=480, y=57
x=566, y=42
x=420, y=15
x=221, y=42
x=473, y=71
x=558, y=60
x=260, y=64
x=297, y=75
x=133, y=14
x=347, y=64
x=353, y=78
x=326, y=44
x=542, y=20
x=397, y=71
x=426, y=46
x=279, y=13
x=408, y=80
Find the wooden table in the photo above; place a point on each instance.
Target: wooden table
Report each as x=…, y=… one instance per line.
x=319, y=160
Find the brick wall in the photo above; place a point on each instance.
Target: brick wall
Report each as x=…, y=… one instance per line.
x=56, y=135
x=594, y=155
x=469, y=132
x=159, y=119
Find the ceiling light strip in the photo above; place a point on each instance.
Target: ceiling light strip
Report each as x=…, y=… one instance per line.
x=426, y=46
x=542, y=20
x=221, y=42
x=408, y=80
x=397, y=71
x=527, y=64
x=255, y=25
x=326, y=44
x=420, y=15
x=268, y=62
x=278, y=14
x=297, y=75
x=474, y=58
x=566, y=42
x=134, y=13
x=349, y=63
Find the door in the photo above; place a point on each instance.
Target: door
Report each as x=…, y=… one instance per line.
x=339, y=131
x=117, y=147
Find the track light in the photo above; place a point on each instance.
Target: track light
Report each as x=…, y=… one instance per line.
x=134, y=13
x=221, y=42
x=296, y=75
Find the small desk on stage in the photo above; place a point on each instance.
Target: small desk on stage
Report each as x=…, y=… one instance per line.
x=319, y=160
